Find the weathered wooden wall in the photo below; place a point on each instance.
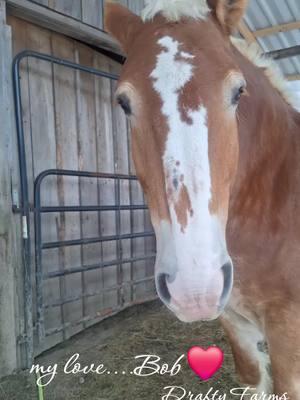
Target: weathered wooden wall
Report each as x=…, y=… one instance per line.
x=88, y=11
x=71, y=122
x=10, y=263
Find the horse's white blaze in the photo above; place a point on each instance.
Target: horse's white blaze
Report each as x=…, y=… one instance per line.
x=198, y=240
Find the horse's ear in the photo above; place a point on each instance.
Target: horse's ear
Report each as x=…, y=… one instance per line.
x=121, y=23
x=228, y=12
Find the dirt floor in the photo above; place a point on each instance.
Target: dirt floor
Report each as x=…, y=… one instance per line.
x=144, y=330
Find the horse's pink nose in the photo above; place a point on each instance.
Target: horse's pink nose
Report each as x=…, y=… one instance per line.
x=164, y=282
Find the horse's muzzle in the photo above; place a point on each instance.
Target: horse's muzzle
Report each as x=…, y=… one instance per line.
x=195, y=299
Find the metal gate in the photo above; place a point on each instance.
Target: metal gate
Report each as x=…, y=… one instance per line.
x=34, y=297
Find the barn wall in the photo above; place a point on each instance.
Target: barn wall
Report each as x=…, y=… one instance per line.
x=10, y=263
x=89, y=12
x=71, y=122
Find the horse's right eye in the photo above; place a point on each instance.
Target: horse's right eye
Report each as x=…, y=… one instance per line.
x=237, y=94
x=124, y=102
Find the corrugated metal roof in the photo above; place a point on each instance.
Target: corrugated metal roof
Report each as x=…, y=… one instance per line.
x=266, y=13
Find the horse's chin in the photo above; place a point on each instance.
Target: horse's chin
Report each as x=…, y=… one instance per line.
x=197, y=315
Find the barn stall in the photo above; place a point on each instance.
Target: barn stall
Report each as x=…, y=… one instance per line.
x=77, y=245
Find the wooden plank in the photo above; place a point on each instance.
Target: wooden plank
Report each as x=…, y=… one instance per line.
x=20, y=42
x=284, y=53
x=19, y=270
x=68, y=188
x=246, y=33
x=44, y=157
x=105, y=162
x=90, y=254
x=122, y=165
x=273, y=30
x=37, y=105
x=42, y=2
x=71, y=8
x=294, y=77
x=8, y=267
x=2, y=13
x=50, y=19
x=92, y=13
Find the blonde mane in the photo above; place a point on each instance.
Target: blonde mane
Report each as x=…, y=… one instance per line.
x=173, y=10
x=254, y=54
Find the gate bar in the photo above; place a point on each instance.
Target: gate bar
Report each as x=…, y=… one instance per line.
x=105, y=264
x=91, y=208
x=40, y=246
x=68, y=243
x=69, y=300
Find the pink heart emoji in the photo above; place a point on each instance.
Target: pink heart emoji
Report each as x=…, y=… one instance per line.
x=205, y=363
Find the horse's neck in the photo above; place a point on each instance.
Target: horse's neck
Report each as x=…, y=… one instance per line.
x=267, y=189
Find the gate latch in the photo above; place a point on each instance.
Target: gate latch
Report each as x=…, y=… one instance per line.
x=15, y=200
x=24, y=227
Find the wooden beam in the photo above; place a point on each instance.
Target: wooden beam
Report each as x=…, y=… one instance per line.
x=249, y=36
x=284, y=53
x=273, y=30
x=295, y=77
x=246, y=32
x=50, y=19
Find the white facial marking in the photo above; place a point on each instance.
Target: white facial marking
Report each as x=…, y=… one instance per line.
x=186, y=152
x=199, y=242
x=170, y=75
x=186, y=55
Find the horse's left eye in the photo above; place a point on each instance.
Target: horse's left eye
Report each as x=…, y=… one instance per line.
x=237, y=94
x=124, y=102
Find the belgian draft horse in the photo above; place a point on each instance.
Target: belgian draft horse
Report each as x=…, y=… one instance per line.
x=216, y=146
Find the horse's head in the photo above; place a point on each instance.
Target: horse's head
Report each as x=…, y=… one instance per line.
x=180, y=88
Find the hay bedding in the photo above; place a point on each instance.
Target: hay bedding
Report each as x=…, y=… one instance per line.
x=148, y=329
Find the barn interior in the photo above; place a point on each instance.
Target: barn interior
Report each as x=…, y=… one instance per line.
x=77, y=248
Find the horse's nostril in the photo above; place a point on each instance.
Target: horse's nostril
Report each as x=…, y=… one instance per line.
x=162, y=287
x=227, y=270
